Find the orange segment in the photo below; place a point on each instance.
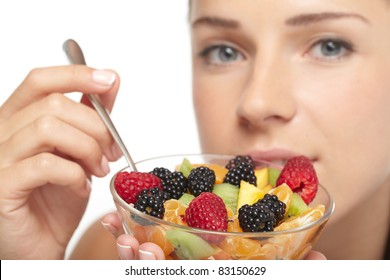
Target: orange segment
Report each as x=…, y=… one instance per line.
x=284, y=194
x=295, y=245
x=243, y=248
x=138, y=232
x=219, y=255
x=234, y=224
x=309, y=216
x=229, y=212
x=156, y=234
x=175, y=212
x=219, y=170
x=268, y=252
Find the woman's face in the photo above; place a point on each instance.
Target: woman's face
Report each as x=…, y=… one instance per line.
x=276, y=78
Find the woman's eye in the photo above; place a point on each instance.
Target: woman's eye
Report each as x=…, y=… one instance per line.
x=221, y=55
x=330, y=50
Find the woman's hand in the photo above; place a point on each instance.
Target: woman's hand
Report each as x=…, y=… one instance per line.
x=315, y=255
x=129, y=248
x=50, y=146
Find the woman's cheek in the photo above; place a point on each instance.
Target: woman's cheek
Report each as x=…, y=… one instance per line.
x=215, y=100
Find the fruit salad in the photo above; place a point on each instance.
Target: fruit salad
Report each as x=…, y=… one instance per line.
x=238, y=210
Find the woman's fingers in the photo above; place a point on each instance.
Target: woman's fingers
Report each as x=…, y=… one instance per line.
x=150, y=251
x=129, y=249
x=49, y=134
x=40, y=170
x=113, y=224
x=41, y=94
x=315, y=255
x=127, y=246
x=50, y=146
x=73, y=113
x=41, y=82
x=106, y=99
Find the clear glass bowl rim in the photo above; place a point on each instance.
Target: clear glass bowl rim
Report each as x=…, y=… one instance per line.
x=328, y=212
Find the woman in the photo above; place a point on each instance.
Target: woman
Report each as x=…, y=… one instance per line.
x=276, y=78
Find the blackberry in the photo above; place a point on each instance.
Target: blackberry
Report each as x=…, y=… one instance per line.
x=237, y=160
x=255, y=218
x=151, y=201
x=175, y=184
x=275, y=206
x=244, y=171
x=201, y=179
x=160, y=172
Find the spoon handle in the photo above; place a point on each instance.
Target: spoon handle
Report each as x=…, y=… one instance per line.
x=76, y=56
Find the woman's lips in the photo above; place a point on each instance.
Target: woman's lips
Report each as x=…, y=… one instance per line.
x=276, y=156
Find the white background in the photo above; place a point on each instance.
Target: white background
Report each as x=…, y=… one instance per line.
x=145, y=41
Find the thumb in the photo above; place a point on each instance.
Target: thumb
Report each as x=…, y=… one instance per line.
x=314, y=255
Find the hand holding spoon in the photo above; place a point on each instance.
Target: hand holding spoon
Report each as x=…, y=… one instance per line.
x=76, y=56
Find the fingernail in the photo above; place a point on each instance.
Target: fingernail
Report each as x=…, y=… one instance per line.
x=116, y=152
x=88, y=185
x=103, y=77
x=145, y=255
x=125, y=252
x=104, y=165
x=113, y=230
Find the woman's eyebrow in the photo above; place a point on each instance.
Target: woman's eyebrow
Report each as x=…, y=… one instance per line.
x=216, y=22
x=305, y=19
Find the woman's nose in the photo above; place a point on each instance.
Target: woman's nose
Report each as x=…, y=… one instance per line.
x=267, y=96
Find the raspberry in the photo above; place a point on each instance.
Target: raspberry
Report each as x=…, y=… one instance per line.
x=256, y=218
x=244, y=171
x=175, y=184
x=299, y=174
x=129, y=184
x=151, y=201
x=237, y=160
x=275, y=206
x=201, y=179
x=207, y=211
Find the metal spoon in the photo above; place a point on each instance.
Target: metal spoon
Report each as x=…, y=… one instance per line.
x=76, y=56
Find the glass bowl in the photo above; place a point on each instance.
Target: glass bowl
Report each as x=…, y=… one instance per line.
x=184, y=242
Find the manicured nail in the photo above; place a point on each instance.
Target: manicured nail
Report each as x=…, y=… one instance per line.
x=125, y=252
x=104, y=165
x=103, y=77
x=145, y=255
x=113, y=230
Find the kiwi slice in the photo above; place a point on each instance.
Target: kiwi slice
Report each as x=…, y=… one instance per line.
x=297, y=205
x=186, y=167
x=188, y=246
x=228, y=193
x=273, y=175
x=186, y=198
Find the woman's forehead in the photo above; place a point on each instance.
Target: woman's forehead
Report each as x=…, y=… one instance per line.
x=284, y=8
